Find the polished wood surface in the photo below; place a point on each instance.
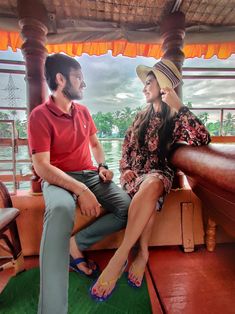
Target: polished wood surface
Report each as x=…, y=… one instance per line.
x=198, y=282
x=210, y=172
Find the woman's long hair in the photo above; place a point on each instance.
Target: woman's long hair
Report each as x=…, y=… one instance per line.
x=165, y=129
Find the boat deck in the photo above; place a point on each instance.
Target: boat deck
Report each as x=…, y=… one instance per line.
x=178, y=282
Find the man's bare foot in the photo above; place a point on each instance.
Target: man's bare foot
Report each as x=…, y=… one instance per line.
x=82, y=265
x=137, y=269
x=76, y=253
x=109, y=277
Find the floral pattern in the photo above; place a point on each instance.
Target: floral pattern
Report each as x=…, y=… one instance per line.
x=146, y=161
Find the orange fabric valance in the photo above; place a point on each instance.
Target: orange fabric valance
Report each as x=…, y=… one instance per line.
x=221, y=50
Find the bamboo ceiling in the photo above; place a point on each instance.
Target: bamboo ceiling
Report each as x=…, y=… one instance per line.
x=208, y=22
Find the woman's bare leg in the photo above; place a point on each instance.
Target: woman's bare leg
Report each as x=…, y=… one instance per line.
x=141, y=209
x=137, y=269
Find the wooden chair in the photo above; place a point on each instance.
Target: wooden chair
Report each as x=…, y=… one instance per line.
x=9, y=236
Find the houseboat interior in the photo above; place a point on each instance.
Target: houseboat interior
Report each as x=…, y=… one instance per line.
x=192, y=249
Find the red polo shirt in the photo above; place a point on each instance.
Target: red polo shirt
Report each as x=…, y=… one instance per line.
x=65, y=137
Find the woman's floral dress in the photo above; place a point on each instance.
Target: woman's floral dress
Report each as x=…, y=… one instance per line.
x=146, y=161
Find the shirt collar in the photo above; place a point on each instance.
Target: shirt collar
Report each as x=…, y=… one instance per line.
x=56, y=110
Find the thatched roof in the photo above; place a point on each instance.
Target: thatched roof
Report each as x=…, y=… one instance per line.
x=134, y=12
x=134, y=21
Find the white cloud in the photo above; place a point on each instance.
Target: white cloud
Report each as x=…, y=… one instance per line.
x=124, y=95
x=112, y=83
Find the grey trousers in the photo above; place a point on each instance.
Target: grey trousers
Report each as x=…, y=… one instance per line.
x=57, y=227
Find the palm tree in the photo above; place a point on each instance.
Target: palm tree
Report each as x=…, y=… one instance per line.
x=5, y=128
x=229, y=124
x=138, y=109
x=189, y=104
x=204, y=116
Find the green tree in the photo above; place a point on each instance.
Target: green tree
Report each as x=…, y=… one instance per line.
x=137, y=109
x=229, y=124
x=5, y=128
x=13, y=114
x=204, y=116
x=127, y=111
x=21, y=126
x=189, y=104
x=104, y=123
x=123, y=119
x=214, y=128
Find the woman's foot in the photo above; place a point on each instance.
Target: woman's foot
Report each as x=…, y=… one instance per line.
x=106, y=282
x=137, y=269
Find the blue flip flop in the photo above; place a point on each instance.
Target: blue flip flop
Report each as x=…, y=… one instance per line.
x=106, y=283
x=74, y=262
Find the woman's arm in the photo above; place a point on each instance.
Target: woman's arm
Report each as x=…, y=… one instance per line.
x=189, y=129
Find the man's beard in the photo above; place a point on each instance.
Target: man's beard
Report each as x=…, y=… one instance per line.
x=70, y=93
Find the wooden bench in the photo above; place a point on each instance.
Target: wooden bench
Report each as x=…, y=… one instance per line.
x=179, y=223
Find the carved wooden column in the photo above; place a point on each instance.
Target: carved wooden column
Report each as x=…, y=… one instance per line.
x=172, y=34
x=33, y=20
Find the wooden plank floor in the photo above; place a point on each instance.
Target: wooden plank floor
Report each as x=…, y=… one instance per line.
x=178, y=282
x=195, y=283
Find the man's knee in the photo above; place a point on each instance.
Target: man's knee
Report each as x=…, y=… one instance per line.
x=122, y=208
x=63, y=208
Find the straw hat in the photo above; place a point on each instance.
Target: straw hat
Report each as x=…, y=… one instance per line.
x=165, y=72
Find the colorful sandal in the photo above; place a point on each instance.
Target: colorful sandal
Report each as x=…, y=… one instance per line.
x=106, y=283
x=137, y=272
x=73, y=264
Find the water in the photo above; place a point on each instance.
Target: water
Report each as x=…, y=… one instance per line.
x=112, y=150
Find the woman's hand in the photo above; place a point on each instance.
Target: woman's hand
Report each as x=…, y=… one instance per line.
x=170, y=97
x=129, y=175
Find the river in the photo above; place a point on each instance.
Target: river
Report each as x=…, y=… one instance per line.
x=112, y=149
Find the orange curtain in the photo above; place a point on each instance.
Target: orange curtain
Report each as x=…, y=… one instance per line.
x=10, y=39
x=221, y=50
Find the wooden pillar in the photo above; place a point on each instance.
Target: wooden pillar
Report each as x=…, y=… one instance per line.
x=211, y=235
x=172, y=34
x=33, y=24
x=33, y=21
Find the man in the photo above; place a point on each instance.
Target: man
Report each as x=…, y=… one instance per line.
x=60, y=133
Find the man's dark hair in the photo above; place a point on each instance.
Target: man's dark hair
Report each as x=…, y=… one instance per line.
x=59, y=63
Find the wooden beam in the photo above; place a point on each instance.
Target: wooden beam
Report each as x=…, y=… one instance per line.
x=19, y=177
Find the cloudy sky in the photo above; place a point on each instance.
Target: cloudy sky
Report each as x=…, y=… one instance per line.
x=112, y=83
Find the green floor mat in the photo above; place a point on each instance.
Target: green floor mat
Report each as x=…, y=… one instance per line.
x=21, y=296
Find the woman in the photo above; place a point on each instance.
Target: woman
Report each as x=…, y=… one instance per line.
x=145, y=172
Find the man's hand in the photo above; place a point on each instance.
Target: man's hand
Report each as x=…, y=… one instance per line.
x=170, y=97
x=129, y=175
x=106, y=175
x=88, y=204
